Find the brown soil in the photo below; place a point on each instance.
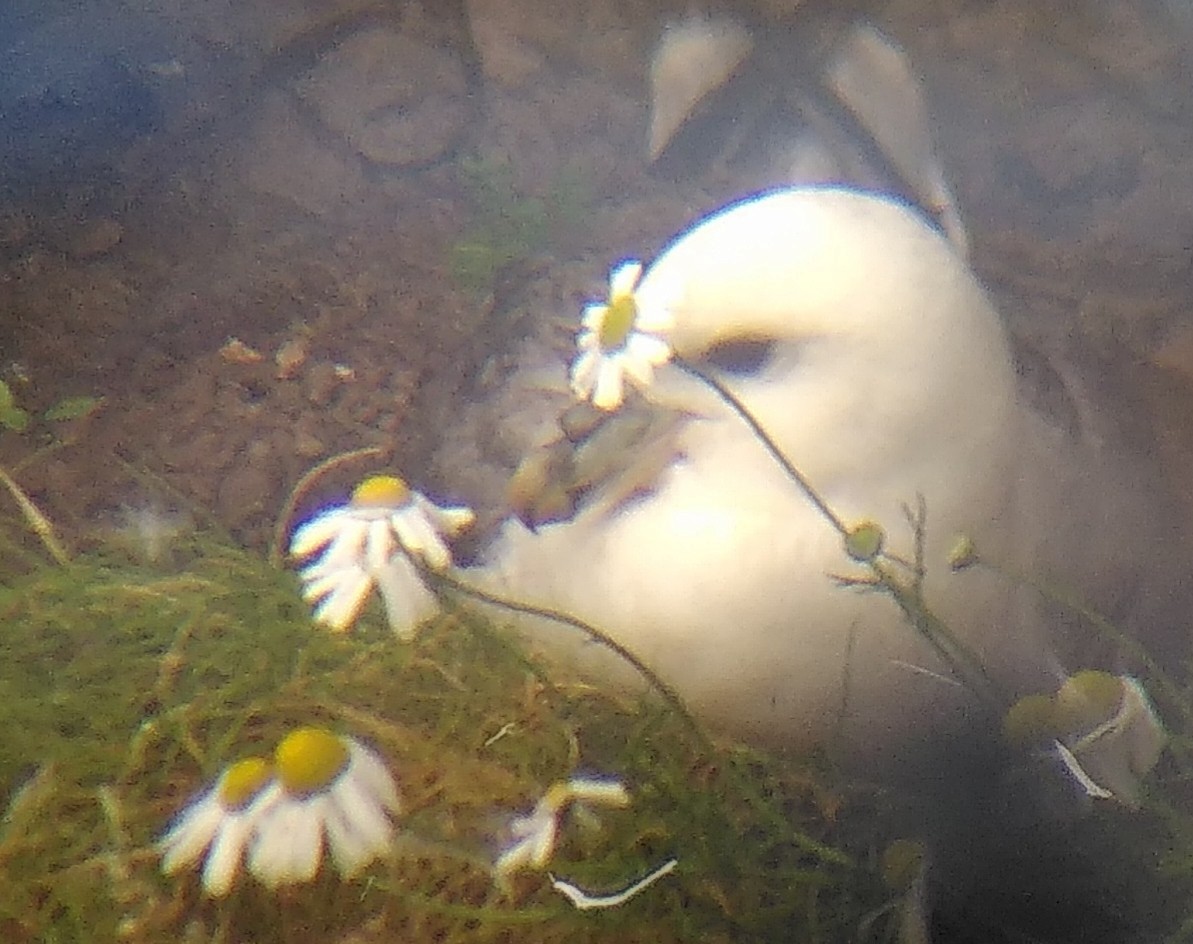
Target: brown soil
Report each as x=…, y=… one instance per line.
x=262, y=201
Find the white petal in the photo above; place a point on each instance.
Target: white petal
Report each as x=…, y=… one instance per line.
x=448, y=520
x=340, y=609
x=515, y=858
x=313, y=534
x=593, y=317
x=640, y=371
x=420, y=539
x=380, y=544
x=609, y=390
x=316, y=586
x=408, y=602
x=584, y=372
x=588, y=341
x=289, y=843
x=192, y=832
x=351, y=849
x=358, y=831
x=603, y=791
x=348, y=546
x=648, y=348
x=624, y=279
x=223, y=862
x=536, y=844
x=369, y=769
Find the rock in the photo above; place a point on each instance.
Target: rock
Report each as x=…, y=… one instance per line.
x=396, y=100
x=320, y=383
x=284, y=159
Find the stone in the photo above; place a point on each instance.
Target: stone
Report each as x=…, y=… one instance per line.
x=396, y=100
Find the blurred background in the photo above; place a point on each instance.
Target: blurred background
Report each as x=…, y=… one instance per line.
x=268, y=232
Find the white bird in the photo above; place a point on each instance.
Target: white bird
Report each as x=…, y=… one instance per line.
x=863, y=345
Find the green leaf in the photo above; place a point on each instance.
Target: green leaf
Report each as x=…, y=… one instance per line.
x=72, y=408
x=14, y=418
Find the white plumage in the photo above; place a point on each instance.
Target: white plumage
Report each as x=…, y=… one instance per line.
x=884, y=375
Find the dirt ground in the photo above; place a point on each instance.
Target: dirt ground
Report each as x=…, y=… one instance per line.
x=268, y=233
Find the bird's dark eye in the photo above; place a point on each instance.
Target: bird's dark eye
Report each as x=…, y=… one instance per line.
x=740, y=356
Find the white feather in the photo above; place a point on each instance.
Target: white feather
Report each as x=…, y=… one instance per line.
x=889, y=378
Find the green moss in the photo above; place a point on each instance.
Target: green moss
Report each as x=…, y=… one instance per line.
x=509, y=226
x=124, y=691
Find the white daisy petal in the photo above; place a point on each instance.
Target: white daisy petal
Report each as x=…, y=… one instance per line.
x=584, y=373
x=316, y=586
x=342, y=606
x=380, y=545
x=408, y=602
x=646, y=348
x=593, y=317
x=624, y=279
x=314, y=534
x=448, y=520
x=223, y=861
x=360, y=543
x=370, y=769
x=608, y=353
x=639, y=371
x=289, y=843
x=351, y=849
x=218, y=826
x=608, y=392
x=358, y=831
x=191, y=834
x=421, y=538
x=348, y=545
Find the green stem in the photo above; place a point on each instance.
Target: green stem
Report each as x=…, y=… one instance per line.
x=38, y=522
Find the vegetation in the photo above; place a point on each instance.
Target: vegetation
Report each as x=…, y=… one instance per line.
x=125, y=690
x=510, y=227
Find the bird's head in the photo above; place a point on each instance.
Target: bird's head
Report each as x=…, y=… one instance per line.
x=845, y=323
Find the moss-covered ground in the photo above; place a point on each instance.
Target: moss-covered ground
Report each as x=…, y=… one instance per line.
x=125, y=689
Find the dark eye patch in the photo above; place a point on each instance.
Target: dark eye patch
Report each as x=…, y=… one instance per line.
x=740, y=356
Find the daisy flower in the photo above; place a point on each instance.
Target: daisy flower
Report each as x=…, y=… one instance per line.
x=374, y=540
x=1110, y=734
x=328, y=790
x=619, y=338
x=536, y=833
x=1103, y=729
x=219, y=824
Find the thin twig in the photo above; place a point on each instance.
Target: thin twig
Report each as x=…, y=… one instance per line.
x=303, y=486
x=38, y=522
x=750, y=420
x=669, y=694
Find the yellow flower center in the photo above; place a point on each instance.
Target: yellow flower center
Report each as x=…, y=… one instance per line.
x=1030, y=721
x=619, y=320
x=863, y=542
x=309, y=759
x=381, y=491
x=243, y=781
x=1086, y=700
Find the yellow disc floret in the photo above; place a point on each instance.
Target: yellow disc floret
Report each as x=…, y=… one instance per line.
x=381, y=491
x=243, y=781
x=1086, y=700
x=1030, y=721
x=619, y=319
x=863, y=542
x=309, y=759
